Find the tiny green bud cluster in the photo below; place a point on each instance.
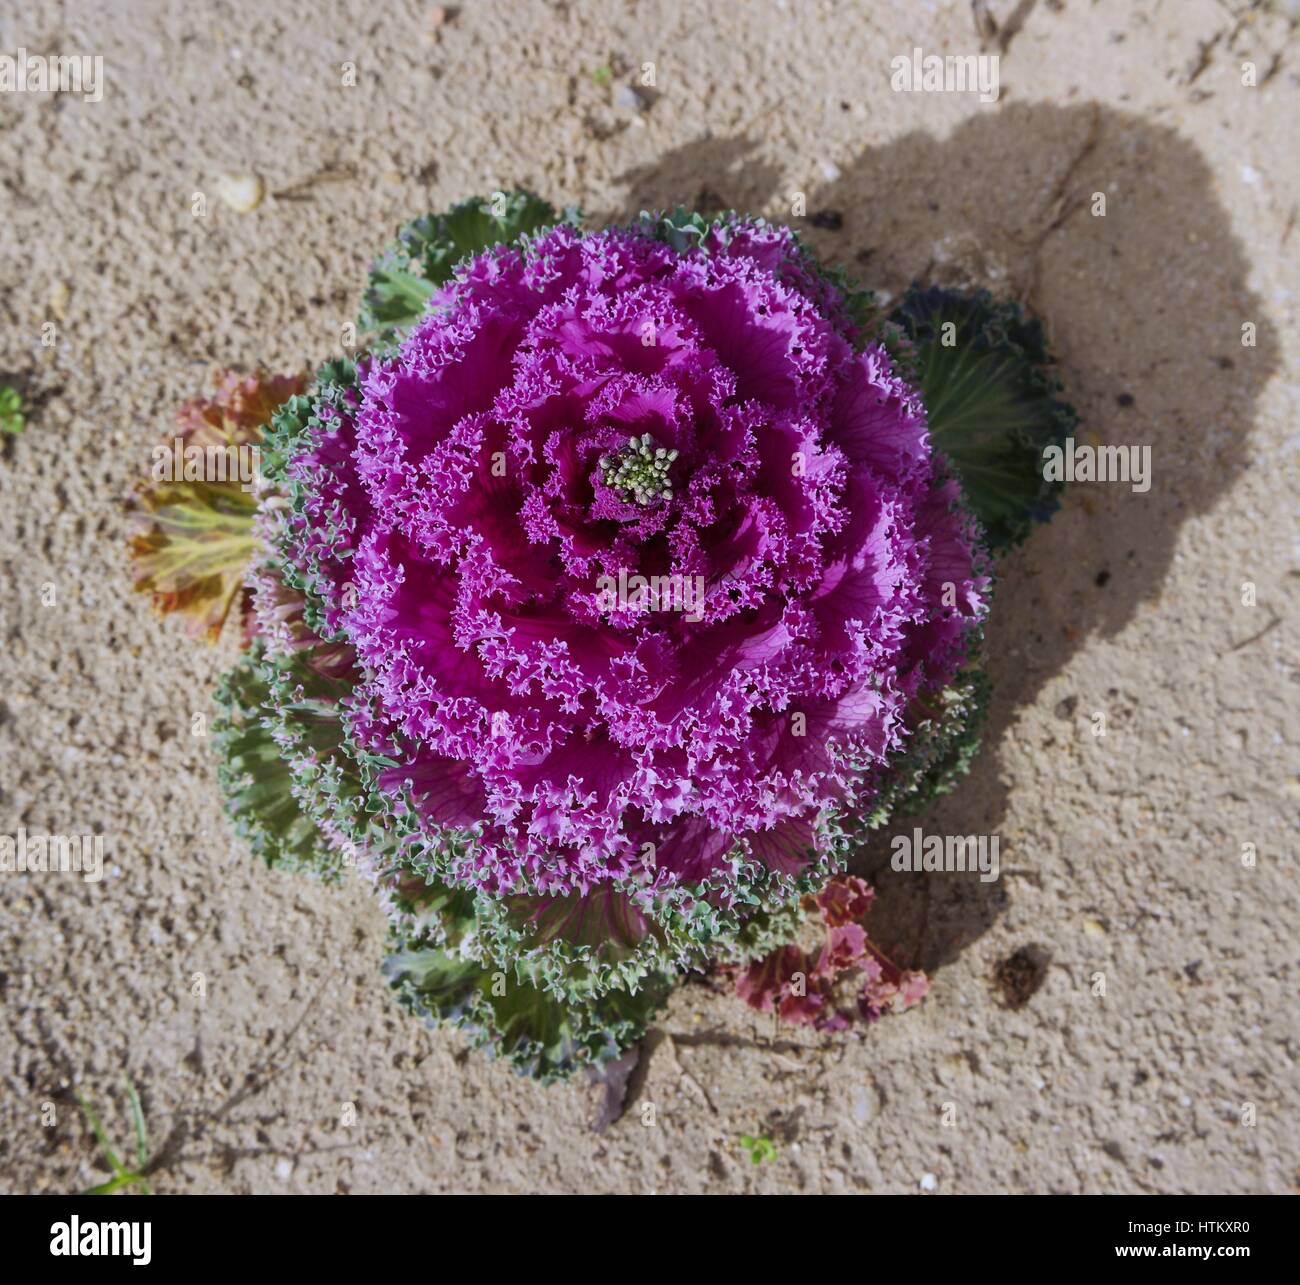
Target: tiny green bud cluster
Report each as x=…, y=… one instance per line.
x=640, y=470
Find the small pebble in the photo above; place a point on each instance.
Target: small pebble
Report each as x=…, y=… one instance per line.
x=627, y=98
x=60, y=297
x=929, y=1182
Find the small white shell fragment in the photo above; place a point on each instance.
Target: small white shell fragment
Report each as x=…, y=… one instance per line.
x=242, y=192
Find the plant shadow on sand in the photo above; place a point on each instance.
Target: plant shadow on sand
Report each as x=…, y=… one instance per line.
x=1144, y=307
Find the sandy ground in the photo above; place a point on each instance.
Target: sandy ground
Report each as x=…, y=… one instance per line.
x=1121, y=854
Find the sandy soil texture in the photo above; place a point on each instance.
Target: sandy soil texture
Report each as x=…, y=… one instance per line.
x=1122, y=854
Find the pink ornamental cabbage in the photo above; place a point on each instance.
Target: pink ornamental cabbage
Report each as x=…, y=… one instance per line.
x=643, y=560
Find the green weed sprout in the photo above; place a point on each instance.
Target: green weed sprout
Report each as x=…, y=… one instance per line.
x=122, y=1176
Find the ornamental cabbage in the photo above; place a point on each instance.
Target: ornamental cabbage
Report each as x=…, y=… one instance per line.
x=612, y=594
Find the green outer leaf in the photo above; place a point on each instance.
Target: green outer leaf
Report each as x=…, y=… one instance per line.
x=256, y=776
x=537, y=1033
x=991, y=401
x=428, y=250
